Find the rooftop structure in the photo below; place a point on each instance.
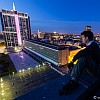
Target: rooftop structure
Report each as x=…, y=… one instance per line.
x=57, y=55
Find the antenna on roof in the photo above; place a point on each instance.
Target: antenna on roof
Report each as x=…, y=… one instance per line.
x=13, y=7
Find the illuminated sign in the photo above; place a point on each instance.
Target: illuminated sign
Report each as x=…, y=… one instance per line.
x=18, y=30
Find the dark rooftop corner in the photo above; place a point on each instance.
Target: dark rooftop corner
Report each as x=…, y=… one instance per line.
x=87, y=89
x=6, y=65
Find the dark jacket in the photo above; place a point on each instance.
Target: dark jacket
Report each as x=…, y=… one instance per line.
x=92, y=51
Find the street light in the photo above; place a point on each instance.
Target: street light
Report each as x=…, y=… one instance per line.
x=29, y=68
x=43, y=63
x=36, y=66
x=13, y=73
x=3, y=93
x=23, y=70
x=20, y=74
x=1, y=80
x=1, y=84
x=20, y=71
x=29, y=71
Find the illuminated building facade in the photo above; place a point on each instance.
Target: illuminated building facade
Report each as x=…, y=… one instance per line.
x=15, y=27
x=40, y=34
x=46, y=52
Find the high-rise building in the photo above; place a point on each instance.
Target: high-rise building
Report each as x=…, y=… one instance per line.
x=15, y=27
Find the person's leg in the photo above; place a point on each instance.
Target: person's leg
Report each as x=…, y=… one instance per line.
x=75, y=72
x=80, y=67
x=93, y=68
x=85, y=65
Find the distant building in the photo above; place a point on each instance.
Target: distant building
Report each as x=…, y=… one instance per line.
x=50, y=35
x=57, y=55
x=88, y=28
x=97, y=37
x=15, y=27
x=40, y=34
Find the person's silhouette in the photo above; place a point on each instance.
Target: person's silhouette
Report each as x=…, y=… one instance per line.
x=88, y=61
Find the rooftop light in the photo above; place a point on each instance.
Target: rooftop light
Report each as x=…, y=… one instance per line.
x=29, y=68
x=19, y=70
x=1, y=80
x=43, y=64
x=23, y=70
x=54, y=32
x=36, y=66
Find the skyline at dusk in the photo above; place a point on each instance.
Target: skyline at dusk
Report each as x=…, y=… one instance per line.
x=49, y=49
x=64, y=16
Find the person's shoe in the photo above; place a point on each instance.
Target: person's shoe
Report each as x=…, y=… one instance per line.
x=68, y=88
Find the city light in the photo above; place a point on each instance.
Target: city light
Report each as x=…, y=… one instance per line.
x=29, y=68
x=13, y=73
x=20, y=71
x=30, y=47
x=43, y=63
x=23, y=70
x=2, y=93
x=1, y=80
x=54, y=32
x=22, y=57
x=1, y=84
x=15, y=48
x=36, y=66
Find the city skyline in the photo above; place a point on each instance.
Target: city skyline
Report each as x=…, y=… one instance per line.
x=61, y=16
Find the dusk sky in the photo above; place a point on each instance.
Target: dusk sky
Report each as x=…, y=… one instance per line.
x=65, y=16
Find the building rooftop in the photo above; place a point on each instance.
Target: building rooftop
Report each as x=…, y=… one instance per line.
x=50, y=91
x=48, y=44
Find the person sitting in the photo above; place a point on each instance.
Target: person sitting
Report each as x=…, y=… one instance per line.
x=88, y=61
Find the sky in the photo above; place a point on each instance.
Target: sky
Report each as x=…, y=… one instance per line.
x=64, y=16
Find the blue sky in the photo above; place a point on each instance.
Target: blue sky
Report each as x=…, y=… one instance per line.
x=59, y=15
